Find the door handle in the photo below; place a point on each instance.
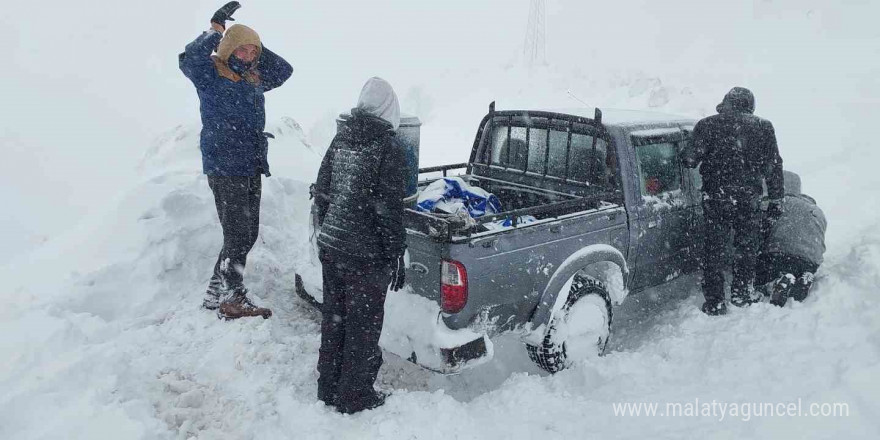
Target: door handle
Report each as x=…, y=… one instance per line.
x=555, y=229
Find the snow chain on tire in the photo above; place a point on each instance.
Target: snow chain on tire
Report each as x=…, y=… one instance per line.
x=552, y=357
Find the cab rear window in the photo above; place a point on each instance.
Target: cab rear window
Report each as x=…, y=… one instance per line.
x=558, y=149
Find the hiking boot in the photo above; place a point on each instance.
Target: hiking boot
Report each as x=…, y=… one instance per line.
x=238, y=305
x=372, y=401
x=745, y=297
x=216, y=290
x=781, y=289
x=329, y=400
x=802, y=286
x=714, y=308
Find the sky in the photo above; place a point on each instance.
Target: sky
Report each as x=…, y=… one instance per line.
x=89, y=85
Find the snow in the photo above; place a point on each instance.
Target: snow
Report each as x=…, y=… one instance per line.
x=664, y=201
x=585, y=327
x=413, y=326
x=109, y=248
x=655, y=132
x=124, y=351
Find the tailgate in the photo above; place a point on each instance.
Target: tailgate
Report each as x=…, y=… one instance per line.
x=425, y=259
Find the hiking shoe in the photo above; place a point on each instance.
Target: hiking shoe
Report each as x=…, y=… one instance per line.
x=714, y=308
x=745, y=298
x=211, y=301
x=216, y=290
x=781, y=290
x=329, y=400
x=372, y=401
x=238, y=305
x=802, y=286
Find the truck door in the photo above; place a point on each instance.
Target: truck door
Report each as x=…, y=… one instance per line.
x=694, y=185
x=663, y=215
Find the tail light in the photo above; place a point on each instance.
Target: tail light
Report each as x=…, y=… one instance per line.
x=453, y=287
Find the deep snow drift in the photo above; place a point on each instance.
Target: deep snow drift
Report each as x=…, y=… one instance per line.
x=120, y=348
x=103, y=336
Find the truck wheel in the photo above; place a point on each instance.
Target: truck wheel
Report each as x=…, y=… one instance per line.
x=579, y=330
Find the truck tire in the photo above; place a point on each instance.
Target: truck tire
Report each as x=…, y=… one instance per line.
x=580, y=328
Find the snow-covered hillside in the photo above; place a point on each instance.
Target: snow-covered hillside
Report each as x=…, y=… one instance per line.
x=112, y=343
x=101, y=329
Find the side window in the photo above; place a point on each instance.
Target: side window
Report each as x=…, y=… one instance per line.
x=688, y=156
x=659, y=168
x=697, y=178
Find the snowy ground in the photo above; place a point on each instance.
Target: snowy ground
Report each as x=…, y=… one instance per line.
x=122, y=350
x=101, y=328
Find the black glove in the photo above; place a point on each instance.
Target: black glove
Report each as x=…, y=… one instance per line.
x=225, y=13
x=398, y=274
x=775, y=209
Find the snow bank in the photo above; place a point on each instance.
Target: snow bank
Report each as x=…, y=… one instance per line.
x=103, y=336
x=105, y=345
x=413, y=328
x=120, y=349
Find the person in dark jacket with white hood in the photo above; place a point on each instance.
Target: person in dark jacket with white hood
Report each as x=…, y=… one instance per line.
x=359, y=195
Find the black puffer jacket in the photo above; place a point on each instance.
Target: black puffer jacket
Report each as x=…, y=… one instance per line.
x=360, y=190
x=738, y=150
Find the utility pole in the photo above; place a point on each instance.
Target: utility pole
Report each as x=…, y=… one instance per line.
x=535, y=49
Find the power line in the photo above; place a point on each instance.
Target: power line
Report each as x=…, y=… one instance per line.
x=535, y=49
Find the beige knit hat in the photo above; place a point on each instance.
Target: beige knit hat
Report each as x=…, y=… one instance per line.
x=236, y=36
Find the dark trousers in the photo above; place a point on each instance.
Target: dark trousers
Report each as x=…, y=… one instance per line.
x=742, y=217
x=773, y=266
x=353, y=310
x=238, y=207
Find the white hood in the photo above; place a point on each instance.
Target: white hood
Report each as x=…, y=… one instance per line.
x=378, y=99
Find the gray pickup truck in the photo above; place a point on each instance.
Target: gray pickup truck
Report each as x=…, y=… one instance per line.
x=611, y=210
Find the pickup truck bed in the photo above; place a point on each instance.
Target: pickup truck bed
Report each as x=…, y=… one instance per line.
x=517, y=200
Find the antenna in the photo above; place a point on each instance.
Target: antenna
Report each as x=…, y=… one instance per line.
x=576, y=98
x=535, y=49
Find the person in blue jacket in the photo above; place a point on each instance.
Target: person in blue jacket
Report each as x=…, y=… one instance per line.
x=231, y=84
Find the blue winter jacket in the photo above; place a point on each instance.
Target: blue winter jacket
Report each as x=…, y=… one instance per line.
x=233, y=112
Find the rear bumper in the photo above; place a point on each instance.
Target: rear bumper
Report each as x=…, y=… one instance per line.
x=414, y=330
x=427, y=342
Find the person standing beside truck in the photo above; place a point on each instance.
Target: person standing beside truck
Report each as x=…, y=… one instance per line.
x=359, y=195
x=230, y=85
x=736, y=152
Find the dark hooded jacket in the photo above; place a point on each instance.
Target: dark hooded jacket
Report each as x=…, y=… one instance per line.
x=232, y=106
x=360, y=191
x=737, y=150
